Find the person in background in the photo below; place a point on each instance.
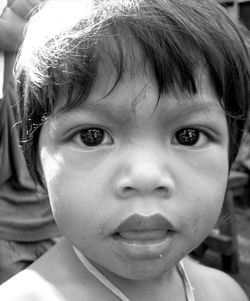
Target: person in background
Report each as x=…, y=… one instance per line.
x=27, y=227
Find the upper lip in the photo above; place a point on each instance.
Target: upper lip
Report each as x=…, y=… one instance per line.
x=137, y=222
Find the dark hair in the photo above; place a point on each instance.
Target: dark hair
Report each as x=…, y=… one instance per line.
x=69, y=43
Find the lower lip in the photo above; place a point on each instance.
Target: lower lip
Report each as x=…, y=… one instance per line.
x=144, y=246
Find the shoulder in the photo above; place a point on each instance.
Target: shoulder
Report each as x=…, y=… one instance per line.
x=55, y=276
x=213, y=284
x=28, y=286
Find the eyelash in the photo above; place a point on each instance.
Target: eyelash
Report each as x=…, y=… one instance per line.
x=93, y=137
x=191, y=137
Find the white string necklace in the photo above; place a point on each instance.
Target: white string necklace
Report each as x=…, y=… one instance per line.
x=89, y=266
x=116, y=291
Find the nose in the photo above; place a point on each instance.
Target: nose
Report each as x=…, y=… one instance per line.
x=145, y=176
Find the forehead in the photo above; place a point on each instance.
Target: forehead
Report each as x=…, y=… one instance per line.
x=136, y=96
x=126, y=80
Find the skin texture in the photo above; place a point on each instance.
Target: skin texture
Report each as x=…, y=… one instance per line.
x=139, y=168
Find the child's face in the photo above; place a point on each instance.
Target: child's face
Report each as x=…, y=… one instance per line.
x=133, y=184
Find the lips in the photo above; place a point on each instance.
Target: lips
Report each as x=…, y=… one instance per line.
x=143, y=237
x=138, y=226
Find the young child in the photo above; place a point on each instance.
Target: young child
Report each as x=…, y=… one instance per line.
x=132, y=113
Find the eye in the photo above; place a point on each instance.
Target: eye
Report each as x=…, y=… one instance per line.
x=190, y=137
x=92, y=137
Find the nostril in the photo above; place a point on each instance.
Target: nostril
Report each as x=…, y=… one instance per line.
x=127, y=189
x=159, y=192
x=162, y=191
x=162, y=188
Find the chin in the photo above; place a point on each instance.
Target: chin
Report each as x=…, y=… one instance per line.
x=147, y=271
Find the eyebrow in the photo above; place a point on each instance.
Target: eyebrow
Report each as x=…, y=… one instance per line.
x=203, y=107
x=183, y=108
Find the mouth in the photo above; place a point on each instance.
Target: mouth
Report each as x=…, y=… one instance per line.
x=143, y=237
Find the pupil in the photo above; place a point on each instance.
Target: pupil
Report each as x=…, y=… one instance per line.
x=92, y=137
x=187, y=136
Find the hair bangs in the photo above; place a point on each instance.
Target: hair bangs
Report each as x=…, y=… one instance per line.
x=170, y=41
x=123, y=52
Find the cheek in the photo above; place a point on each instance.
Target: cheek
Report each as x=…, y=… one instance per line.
x=74, y=212
x=207, y=181
x=204, y=194
x=75, y=198
x=203, y=216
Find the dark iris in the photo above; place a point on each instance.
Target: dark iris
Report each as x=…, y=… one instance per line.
x=187, y=137
x=92, y=137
